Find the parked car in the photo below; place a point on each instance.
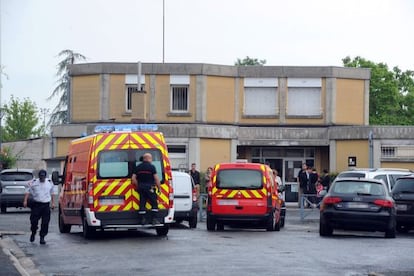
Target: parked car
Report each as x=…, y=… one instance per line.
x=403, y=194
x=358, y=204
x=13, y=185
x=243, y=193
x=388, y=175
x=185, y=198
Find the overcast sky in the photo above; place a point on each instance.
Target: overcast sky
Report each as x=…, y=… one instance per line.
x=293, y=32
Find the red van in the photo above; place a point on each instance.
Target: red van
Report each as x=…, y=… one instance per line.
x=243, y=192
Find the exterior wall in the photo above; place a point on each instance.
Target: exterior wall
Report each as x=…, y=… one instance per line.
x=400, y=165
x=350, y=102
x=30, y=153
x=117, y=96
x=357, y=148
x=213, y=151
x=220, y=99
x=86, y=98
x=62, y=146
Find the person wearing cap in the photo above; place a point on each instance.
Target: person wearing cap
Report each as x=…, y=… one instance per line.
x=41, y=190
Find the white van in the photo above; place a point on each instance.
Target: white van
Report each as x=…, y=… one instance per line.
x=185, y=198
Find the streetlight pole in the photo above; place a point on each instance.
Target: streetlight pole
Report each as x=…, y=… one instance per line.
x=163, y=31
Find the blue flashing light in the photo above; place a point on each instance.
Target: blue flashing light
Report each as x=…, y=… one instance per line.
x=125, y=128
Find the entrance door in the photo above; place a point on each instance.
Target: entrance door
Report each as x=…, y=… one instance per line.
x=291, y=169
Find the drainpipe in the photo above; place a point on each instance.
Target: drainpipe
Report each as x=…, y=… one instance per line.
x=371, y=148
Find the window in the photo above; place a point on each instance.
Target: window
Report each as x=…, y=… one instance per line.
x=179, y=98
x=351, y=187
x=304, y=97
x=388, y=151
x=261, y=97
x=239, y=179
x=130, y=88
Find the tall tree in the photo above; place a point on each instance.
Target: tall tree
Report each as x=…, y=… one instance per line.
x=250, y=61
x=21, y=119
x=391, y=96
x=60, y=113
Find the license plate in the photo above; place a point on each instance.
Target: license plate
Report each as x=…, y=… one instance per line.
x=401, y=207
x=111, y=201
x=357, y=205
x=227, y=202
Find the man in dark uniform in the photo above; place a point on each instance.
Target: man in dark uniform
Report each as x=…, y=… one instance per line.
x=196, y=177
x=42, y=192
x=145, y=179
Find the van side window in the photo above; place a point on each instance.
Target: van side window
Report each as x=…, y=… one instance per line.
x=239, y=179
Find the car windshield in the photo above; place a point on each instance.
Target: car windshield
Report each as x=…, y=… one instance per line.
x=351, y=174
x=404, y=185
x=358, y=187
x=239, y=179
x=16, y=176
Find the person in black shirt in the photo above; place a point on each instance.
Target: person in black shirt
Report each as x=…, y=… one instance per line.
x=303, y=178
x=326, y=180
x=145, y=179
x=196, y=177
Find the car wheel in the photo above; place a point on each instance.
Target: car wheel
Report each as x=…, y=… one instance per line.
x=402, y=228
x=270, y=225
x=3, y=209
x=162, y=231
x=390, y=233
x=324, y=229
x=220, y=227
x=63, y=228
x=192, y=222
x=278, y=225
x=211, y=223
x=88, y=231
x=178, y=221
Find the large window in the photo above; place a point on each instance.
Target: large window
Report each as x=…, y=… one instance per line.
x=261, y=97
x=179, y=98
x=130, y=89
x=304, y=97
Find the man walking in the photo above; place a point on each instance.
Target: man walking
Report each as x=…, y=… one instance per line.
x=41, y=190
x=196, y=177
x=145, y=179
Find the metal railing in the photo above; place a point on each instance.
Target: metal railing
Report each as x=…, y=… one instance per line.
x=202, y=207
x=311, y=201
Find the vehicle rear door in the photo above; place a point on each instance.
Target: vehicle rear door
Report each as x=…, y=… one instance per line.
x=182, y=192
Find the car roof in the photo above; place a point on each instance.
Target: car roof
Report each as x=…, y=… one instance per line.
x=17, y=170
x=178, y=173
x=240, y=165
x=379, y=170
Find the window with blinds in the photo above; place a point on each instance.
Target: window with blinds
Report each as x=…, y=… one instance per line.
x=261, y=101
x=304, y=97
x=179, y=98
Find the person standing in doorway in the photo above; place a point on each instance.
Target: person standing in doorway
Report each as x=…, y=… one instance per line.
x=196, y=177
x=41, y=190
x=303, y=179
x=145, y=179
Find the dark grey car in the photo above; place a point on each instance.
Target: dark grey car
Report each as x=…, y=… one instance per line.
x=13, y=185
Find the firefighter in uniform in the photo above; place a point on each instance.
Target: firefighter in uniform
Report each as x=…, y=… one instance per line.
x=145, y=179
x=41, y=190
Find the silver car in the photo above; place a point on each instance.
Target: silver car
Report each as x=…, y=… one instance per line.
x=13, y=185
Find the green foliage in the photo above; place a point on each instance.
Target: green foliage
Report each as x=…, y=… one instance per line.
x=250, y=61
x=7, y=159
x=391, y=98
x=21, y=118
x=60, y=112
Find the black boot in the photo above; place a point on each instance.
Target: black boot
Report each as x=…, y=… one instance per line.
x=32, y=236
x=42, y=240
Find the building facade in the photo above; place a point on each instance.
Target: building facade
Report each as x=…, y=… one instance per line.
x=280, y=115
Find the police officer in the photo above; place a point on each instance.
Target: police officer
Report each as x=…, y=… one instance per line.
x=145, y=179
x=41, y=190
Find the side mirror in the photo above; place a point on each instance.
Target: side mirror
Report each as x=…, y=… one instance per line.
x=281, y=188
x=56, y=178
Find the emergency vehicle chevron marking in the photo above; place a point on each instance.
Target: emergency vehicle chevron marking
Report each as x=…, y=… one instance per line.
x=256, y=194
x=119, y=142
x=246, y=194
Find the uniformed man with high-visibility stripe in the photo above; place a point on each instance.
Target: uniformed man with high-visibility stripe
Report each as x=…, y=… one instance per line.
x=145, y=179
x=42, y=191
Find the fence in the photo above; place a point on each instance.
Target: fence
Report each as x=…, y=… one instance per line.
x=311, y=201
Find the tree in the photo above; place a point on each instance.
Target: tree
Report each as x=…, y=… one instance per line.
x=7, y=159
x=250, y=61
x=391, y=93
x=21, y=118
x=60, y=113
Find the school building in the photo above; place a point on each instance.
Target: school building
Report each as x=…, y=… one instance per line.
x=281, y=115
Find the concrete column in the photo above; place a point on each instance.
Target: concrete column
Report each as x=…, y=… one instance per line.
x=330, y=100
x=377, y=153
x=194, y=151
x=366, y=102
x=201, y=98
x=282, y=100
x=332, y=156
x=236, y=100
x=152, y=99
x=233, y=150
x=104, y=99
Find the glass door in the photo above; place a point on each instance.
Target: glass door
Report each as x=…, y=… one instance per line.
x=291, y=169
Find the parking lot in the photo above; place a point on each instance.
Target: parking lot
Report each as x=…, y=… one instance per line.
x=296, y=250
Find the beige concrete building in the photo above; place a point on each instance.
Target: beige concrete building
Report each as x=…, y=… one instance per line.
x=212, y=113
